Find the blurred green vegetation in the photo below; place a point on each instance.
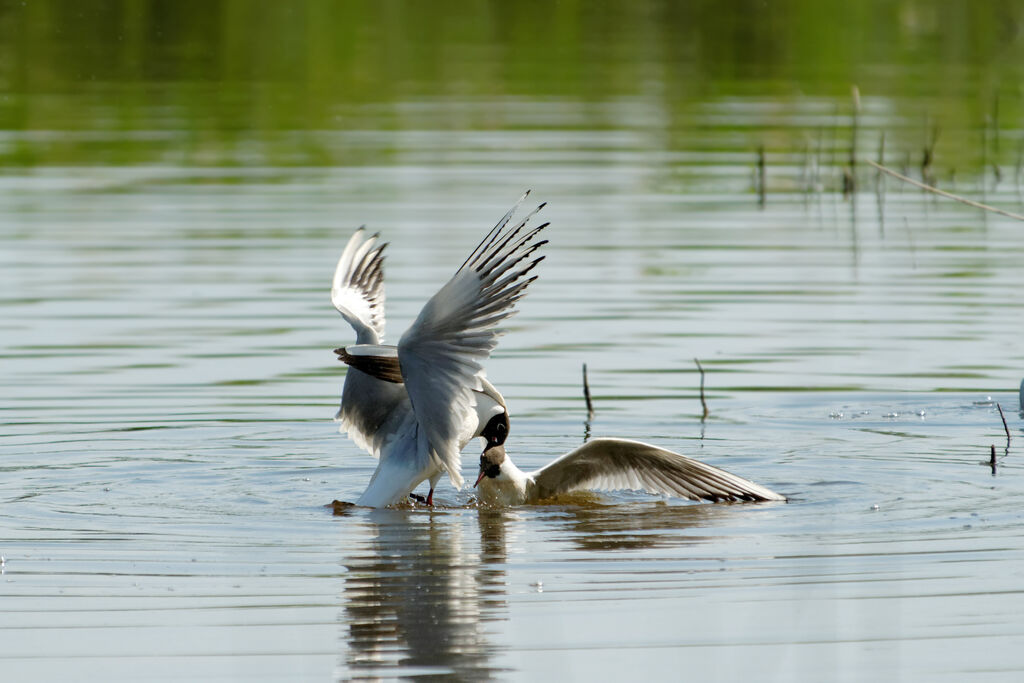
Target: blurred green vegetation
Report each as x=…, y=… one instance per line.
x=208, y=82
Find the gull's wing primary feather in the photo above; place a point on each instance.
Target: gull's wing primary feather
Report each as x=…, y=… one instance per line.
x=615, y=464
x=358, y=287
x=442, y=353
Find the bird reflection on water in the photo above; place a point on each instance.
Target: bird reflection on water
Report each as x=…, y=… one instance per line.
x=594, y=524
x=422, y=594
x=418, y=598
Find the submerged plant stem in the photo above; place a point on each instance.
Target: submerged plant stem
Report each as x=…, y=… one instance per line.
x=703, y=403
x=586, y=395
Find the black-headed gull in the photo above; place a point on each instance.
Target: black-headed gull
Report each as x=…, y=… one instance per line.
x=610, y=465
x=416, y=405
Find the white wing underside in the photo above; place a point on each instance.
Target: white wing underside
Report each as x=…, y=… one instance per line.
x=618, y=464
x=357, y=290
x=442, y=353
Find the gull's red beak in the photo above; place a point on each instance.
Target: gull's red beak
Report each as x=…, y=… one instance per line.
x=479, y=478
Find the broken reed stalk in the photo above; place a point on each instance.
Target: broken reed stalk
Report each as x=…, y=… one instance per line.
x=1020, y=166
x=703, y=403
x=880, y=185
x=1005, y=427
x=855, y=93
x=881, y=155
x=762, y=192
x=984, y=154
x=992, y=459
x=850, y=177
x=928, y=155
x=586, y=394
x=995, y=139
x=943, y=193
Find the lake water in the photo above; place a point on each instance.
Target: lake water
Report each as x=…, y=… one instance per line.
x=167, y=240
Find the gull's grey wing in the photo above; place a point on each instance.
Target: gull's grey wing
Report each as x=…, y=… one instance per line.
x=357, y=290
x=615, y=464
x=441, y=354
x=369, y=408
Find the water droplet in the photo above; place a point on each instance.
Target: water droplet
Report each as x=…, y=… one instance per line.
x=836, y=415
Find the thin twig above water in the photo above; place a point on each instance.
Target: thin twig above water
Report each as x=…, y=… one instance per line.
x=1006, y=428
x=943, y=193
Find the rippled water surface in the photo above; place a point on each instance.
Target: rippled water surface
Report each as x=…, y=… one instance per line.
x=168, y=457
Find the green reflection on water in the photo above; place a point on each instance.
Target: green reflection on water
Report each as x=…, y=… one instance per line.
x=242, y=83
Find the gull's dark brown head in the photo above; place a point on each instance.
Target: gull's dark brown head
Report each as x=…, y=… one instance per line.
x=496, y=430
x=490, y=462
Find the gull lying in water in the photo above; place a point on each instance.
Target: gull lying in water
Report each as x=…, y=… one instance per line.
x=611, y=464
x=416, y=405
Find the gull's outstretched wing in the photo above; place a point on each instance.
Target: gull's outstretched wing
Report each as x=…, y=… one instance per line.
x=358, y=287
x=442, y=353
x=615, y=464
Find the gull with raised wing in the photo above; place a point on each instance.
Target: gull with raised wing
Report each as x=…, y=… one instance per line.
x=610, y=465
x=416, y=405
